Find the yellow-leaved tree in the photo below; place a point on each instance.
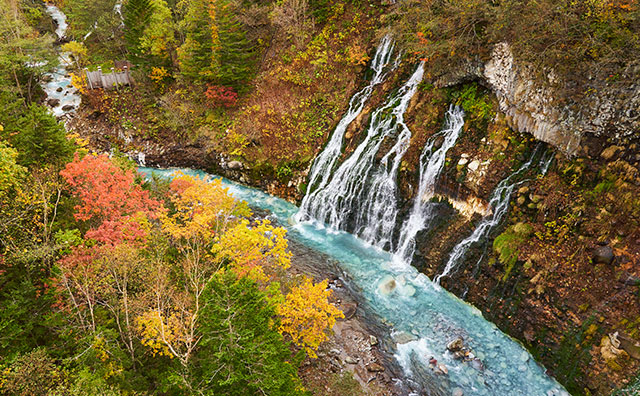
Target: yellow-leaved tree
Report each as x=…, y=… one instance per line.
x=251, y=249
x=306, y=315
x=202, y=209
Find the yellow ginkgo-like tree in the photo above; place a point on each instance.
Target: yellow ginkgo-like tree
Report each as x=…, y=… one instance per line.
x=306, y=314
x=252, y=250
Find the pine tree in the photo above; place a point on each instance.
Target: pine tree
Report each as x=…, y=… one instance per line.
x=241, y=351
x=235, y=56
x=40, y=139
x=137, y=15
x=216, y=49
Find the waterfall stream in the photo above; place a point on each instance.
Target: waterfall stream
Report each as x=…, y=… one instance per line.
x=431, y=164
x=325, y=161
x=58, y=87
x=499, y=202
x=361, y=195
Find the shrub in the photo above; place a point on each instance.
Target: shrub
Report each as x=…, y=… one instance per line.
x=508, y=243
x=221, y=96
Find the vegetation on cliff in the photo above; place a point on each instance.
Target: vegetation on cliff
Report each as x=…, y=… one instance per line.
x=569, y=39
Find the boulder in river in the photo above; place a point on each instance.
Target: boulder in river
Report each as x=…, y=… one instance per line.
x=403, y=337
x=53, y=102
x=456, y=345
x=387, y=285
x=477, y=364
x=59, y=89
x=67, y=107
x=603, y=255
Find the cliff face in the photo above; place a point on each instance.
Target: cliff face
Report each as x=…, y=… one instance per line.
x=608, y=109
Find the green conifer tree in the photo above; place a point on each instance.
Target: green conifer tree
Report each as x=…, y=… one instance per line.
x=137, y=15
x=39, y=138
x=216, y=49
x=241, y=351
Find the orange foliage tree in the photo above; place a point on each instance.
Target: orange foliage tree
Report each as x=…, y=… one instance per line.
x=109, y=198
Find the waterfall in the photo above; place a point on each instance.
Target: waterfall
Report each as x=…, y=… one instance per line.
x=499, y=202
x=431, y=164
x=545, y=161
x=361, y=192
x=325, y=162
x=60, y=18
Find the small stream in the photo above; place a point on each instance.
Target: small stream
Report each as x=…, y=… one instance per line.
x=58, y=82
x=423, y=317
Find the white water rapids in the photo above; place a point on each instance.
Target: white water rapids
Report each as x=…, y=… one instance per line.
x=58, y=86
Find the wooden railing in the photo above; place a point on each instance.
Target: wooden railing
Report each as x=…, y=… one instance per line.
x=113, y=80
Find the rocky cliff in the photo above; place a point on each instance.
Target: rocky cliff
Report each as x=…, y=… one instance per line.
x=537, y=102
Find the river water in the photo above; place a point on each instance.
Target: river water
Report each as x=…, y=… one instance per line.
x=58, y=83
x=423, y=317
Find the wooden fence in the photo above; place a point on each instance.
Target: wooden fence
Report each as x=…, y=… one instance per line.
x=113, y=80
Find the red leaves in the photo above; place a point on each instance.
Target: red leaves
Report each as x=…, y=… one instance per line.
x=180, y=184
x=109, y=196
x=220, y=95
x=113, y=232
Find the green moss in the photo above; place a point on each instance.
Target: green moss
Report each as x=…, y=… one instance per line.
x=574, y=353
x=345, y=384
x=507, y=245
x=475, y=101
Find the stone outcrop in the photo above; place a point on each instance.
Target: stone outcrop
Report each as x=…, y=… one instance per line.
x=606, y=109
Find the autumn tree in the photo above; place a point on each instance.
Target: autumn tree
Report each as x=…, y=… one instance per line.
x=306, y=315
x=158, y=38
x=254, y=251
x=201, y=211
x=105, y=275
x=29, y=205
x=10, y=171
x=110, y=199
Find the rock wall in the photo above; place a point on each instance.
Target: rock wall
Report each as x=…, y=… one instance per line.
x=608, y=109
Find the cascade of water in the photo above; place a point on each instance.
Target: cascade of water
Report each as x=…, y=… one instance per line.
x=325, y=161
x=60, y=18
x=376, y=218
x=351, y=192
x=545, y=161
x=499, y=202
x=431, y=164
